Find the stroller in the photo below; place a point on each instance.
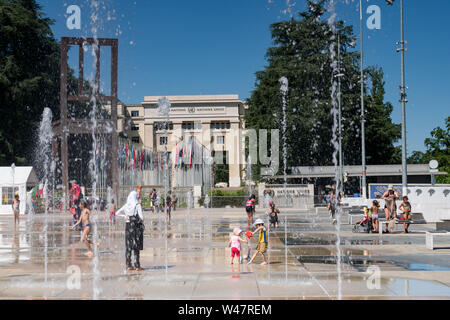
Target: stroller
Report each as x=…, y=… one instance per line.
x=363, y=226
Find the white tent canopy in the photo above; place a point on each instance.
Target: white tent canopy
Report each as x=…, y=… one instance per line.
x=24, y=178
x=22, y=175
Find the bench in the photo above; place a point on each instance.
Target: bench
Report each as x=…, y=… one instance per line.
x=429, y=237
x=443, y=225
x=416, y=218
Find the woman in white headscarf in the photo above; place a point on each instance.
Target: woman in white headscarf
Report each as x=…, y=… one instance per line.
x=134, y=229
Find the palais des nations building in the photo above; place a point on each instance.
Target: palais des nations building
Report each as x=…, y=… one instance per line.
x=216, y=122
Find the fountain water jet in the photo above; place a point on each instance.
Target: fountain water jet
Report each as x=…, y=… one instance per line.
x=284, y=88
x=94, y=170
x=164, y=110
x=45, y=161
x=334, y=112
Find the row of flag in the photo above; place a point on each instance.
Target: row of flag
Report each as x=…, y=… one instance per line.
x=132, y=157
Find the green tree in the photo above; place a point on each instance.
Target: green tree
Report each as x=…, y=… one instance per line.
x=29, y=76
x=437, y=149
x=302, y=53
x=381, y=132
x=416, y=157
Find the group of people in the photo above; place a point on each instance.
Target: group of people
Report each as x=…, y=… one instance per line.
x=273, y=211
x=134, y=227
x=390, y=209
x=237, y=237
x=170, y=203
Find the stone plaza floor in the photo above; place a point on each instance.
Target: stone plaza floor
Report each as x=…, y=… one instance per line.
x=38, y=257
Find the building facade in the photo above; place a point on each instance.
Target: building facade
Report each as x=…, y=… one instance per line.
x=214, y=121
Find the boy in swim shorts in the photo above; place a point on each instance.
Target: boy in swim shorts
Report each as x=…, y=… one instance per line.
x=262, y=242
x=84, y=218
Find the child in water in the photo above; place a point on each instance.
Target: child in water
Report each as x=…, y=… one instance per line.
x=16, y=209
x=235, y=244
x=247, y=256
x=112, y=212
x=262, y=242
x=375, y=206
x=84, y=218
x=249, y=209
x=405, y=206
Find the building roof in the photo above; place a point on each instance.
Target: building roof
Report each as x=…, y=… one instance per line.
x=22, y=175
x=214, y=98
x=356, y=171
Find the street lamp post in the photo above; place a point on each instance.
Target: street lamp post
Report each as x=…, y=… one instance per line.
x=403, y=99
x=363, y=115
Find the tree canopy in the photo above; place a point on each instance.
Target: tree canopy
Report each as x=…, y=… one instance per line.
x=437, y=148
x=303, y=53
x=29, y=76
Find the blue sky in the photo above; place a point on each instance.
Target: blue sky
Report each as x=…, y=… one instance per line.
x=216, y=46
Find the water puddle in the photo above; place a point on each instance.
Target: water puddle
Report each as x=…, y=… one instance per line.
x=424, y=267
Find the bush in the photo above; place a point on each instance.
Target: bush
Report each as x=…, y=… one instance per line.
x=223, y=198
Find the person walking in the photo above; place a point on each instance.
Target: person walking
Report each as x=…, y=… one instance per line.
x=154, y=198
x=174, y=202
x=273, y=214
x=134, y=230
x=249, y=210
x=75, y=196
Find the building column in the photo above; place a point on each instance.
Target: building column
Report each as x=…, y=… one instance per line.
x=147, y=137
x=233, y=147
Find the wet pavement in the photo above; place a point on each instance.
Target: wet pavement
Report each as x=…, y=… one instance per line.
x=43, y=259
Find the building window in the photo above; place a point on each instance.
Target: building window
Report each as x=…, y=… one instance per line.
x=191, y=125
x=135, y=139
x=134, y=128
x=161, y=126
x=220, y=140
x=135, y=113
x=8, y=195
x=220, y=125
x=162, y=141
